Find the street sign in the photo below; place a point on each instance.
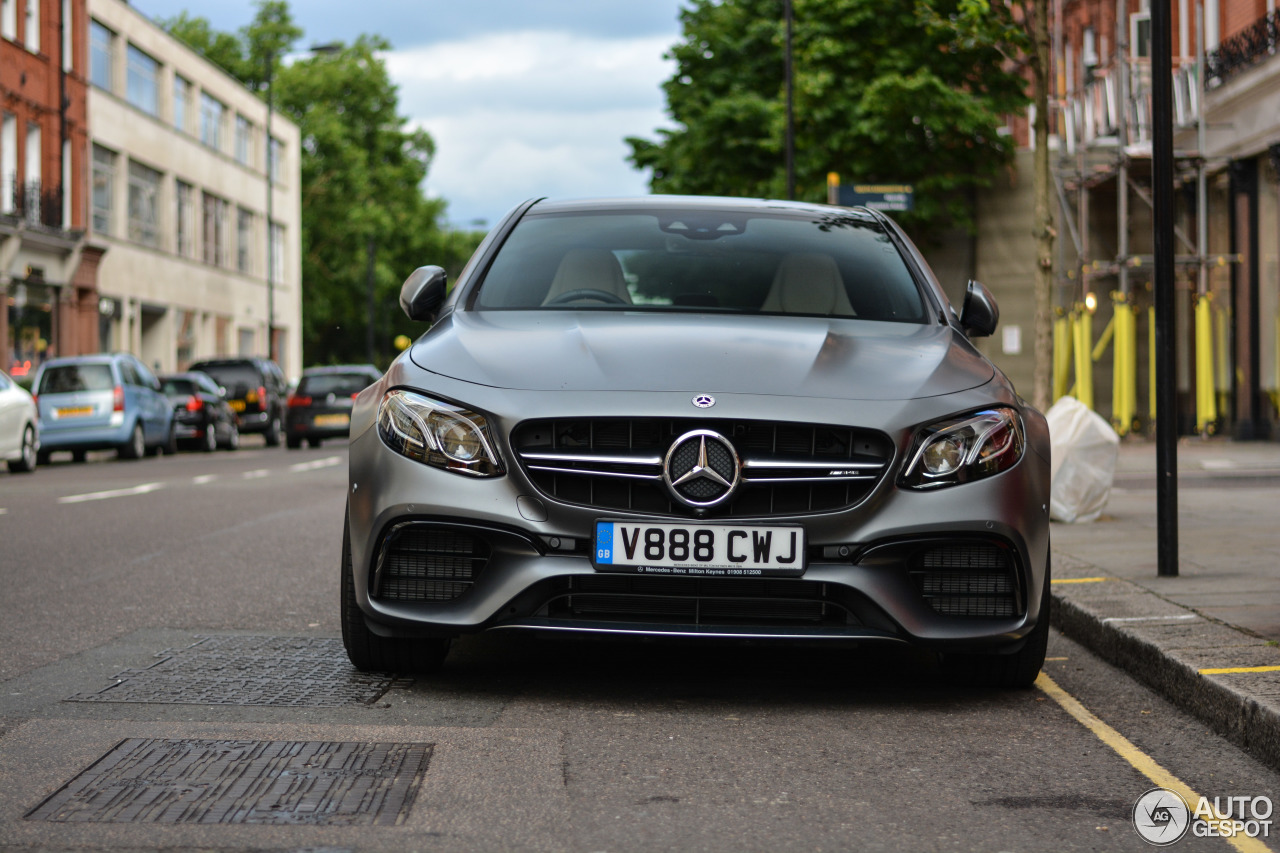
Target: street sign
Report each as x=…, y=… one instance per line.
x=889, y=197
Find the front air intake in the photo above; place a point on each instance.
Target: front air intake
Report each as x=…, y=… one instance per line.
x=419, y=561
x=975, y=580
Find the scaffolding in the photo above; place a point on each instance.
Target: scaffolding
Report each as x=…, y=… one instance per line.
x=1105, y=134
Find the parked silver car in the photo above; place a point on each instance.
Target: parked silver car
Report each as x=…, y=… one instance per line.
x=698, y=418
x=19, y=427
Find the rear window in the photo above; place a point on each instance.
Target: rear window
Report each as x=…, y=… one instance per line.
x=238, y=379
x=176, y=387
x=341, y=384
x=70, y=378
x=839, y=264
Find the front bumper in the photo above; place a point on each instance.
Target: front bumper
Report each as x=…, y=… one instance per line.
x=859, y=571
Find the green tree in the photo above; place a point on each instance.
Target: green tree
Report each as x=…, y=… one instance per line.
x=883, y=94
x=362, y=170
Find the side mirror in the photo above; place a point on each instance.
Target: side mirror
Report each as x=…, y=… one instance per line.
x=981, y=314
x=423, y=292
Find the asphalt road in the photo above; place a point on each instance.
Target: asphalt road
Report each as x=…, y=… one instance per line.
x=170, y=679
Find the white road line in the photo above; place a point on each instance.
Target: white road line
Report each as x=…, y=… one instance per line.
x=328, y=462
x=3, y=510
x=1148, y=618
x=256, y=475
x=113, y=493
x=1218, y=464
x=204, y=478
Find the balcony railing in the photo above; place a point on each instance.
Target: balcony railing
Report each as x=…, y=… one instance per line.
x=1243, y=50
x=37, y=203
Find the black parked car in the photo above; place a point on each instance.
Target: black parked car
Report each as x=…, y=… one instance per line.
x=321, y=406
x=256, y=391
x=201, y=414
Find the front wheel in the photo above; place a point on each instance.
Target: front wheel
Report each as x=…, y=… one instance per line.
x=372, y=653
x=1012, y=670
x=210, y=442
x=26, y=461
x=273, y=433
x=233, y=438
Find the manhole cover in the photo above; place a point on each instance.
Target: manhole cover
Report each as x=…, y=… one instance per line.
x=145, y=780
x=239, y=670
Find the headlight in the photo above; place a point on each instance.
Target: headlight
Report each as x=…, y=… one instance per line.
x=437, y=434
x=959, y=450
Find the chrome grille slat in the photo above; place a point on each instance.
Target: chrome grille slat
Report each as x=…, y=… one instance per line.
x=786, y=467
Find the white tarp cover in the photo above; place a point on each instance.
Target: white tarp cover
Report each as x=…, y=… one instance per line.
x=1084, y=450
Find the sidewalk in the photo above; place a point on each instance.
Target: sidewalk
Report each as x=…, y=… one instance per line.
x=1209, y=639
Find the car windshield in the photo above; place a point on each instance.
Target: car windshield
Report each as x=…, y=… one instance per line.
x=341, y=384
x=840, y=264
x=70, y=378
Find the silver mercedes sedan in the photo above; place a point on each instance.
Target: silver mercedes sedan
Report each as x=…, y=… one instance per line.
x=698, y=418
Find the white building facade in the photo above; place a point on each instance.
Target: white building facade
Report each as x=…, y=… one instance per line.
x=199, y=263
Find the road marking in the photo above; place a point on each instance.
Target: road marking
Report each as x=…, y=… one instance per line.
x=328, y=462
x=1143, y=763
x=1148, y=618
x=256, y=475
x=1219, y=464
x=1078, y=580
x=204, y=478
x=113, y=493
x=1227, y=670
x=3, y=511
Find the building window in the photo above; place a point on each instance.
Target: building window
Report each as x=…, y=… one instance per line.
x=214, y=222
x=8, y=161
x=244, y=341
x=181, y=101
x=32, y=38
x=244, y=240
x=186, y=219
x=144, y=204
x=101, y=56
x=277, y=153
x=277, y=252
x=211, y=110
x=9, y=19
x=141, y=81
x=244, y=139
x=104, y=184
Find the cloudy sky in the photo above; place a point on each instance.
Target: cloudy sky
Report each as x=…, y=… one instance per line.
x=523, y=97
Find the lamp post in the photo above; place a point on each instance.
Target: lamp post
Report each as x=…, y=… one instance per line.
x=271, y=243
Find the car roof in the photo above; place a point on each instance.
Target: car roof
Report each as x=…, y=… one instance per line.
x=341, y=368
x=646, y=203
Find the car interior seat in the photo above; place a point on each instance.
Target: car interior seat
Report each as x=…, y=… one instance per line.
x=808, y=283
x=588, y=269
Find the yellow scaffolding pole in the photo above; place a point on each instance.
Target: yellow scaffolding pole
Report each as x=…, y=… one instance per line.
x=1206, y=397
x=1124, y=387
x=1151, y=363
x=1061, y=355
x=1084, y=355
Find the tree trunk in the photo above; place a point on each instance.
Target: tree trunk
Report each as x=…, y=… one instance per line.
x=1043, y=227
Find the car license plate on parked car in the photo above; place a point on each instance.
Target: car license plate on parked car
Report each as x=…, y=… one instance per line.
x=722, y=550
x=331, y=420
x=236, y=405
x=75, y=411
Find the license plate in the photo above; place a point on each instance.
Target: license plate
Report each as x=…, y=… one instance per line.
x=331, y=420
x=236, y=405
x=720, y=550
x=75, y=411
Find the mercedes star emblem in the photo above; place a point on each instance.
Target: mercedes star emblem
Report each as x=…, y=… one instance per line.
x=704, y=401
x=701, y=469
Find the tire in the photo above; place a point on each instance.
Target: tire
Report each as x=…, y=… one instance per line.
x=79, y=455
x=1010, y=670
x=273, y=432
x=42, y=457
x=136, y=446
x=170, y=447
x=26, y=463
x=369, y=652
x=313, y=443
x=233, y=438
x=293, y=442
x=210, y=441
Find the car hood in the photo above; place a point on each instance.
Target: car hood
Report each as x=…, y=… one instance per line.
x=701, y=353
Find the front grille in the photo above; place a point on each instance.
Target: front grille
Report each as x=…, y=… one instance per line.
x=963, y=579
x=428, y=562
x=786, y=468
x=697, y=601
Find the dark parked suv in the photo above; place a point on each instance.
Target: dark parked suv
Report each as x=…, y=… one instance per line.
x=256, y=392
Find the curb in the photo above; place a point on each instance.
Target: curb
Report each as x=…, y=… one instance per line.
x=1165, y=646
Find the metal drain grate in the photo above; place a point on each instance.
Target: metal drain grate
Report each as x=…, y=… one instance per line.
x=310, y=672
x=147, y=780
